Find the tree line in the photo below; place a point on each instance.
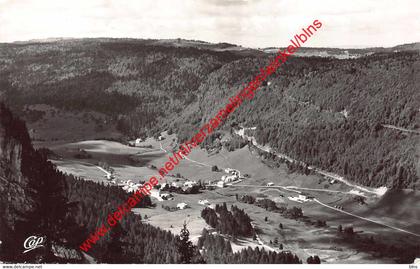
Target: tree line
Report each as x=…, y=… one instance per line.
x=217, y=249
x=234, y=222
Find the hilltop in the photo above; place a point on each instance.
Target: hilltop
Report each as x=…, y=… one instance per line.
x=349, y=53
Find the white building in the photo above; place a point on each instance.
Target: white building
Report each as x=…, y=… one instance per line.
x=269, y=184
x=221, y=184
x=125, y=187
x=156, y=194
x=232, y=171
x=182, y=206
x=228, y=170
x=190, y=183
x=138, y=142
x=129, y=186
x=176, y=184
x=164, y=185
x=203, y=202
x=228, y=179
x=300, y=198
x=109, y=176
x=303, y=197
x=134, y=188
x=167, y=196
x=295, y=199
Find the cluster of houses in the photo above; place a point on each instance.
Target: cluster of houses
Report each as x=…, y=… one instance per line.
x=301, y=198
x=177, y=184
x=201, y=202
x=234, y=175
x=129, y=186
x=138, y=141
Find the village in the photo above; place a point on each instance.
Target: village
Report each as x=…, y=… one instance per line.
x=165, y=190
x=206, y=179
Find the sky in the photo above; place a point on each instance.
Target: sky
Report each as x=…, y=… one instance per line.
x=250, y=23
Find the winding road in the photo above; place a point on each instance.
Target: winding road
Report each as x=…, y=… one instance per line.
x=290, y=188
x=400, y=129
x=378, y=192
x=366, y=219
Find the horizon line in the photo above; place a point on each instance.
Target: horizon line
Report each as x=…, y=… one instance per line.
x=57, y=39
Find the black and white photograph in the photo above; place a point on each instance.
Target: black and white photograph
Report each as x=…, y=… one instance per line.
x=209, y=132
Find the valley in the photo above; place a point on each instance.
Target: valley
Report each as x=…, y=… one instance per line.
x=336, y=204
x=324, y=161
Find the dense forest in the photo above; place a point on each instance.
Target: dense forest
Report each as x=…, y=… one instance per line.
x=378, y=245
x=269, y=205
x=136, y=84
x=326, y=112
x=330, y=114
x=42, y=207
x=218, y=250
x=234, y=222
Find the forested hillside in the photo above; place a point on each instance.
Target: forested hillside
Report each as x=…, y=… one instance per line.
x=326, y=112
x=137, y=84
x=33, y=198
x=36, y=199
x=330, y=113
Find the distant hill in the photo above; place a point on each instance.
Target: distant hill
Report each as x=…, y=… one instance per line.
x=346, y=53
x=325, y=111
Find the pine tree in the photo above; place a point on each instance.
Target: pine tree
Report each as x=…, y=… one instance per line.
x=313, y=260
x=114, y=252
x=185, y=246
